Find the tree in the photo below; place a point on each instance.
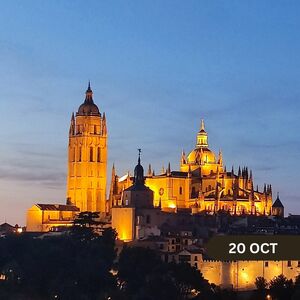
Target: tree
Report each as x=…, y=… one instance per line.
x=86, y=219
x=186, y=279
x=66, y=266
x=281, y=288
x=297, y=281
x=261, y=283
x=143, y=275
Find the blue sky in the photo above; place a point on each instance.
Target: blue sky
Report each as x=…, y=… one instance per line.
x=156, y=68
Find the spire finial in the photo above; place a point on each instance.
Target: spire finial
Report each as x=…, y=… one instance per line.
x=89, y=93
x=202, y=125
x=139, y=159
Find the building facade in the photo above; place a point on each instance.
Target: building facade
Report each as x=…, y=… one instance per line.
x=134, y=216
x=47, y=217
x=201, y=185
x=238, y=275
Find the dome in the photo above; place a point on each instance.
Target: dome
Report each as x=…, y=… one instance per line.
x=88, y=107
x=207, y=156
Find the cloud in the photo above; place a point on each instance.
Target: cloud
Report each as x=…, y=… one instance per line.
x=38, y=167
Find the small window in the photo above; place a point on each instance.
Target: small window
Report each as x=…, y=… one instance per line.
x=148, y=219
x=196, y=258
x=289, y=263
x=298, y=264
x=180, y=191
x=266, y=264
x=95, y=129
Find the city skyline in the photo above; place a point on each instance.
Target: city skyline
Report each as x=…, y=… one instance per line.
x=156, y=75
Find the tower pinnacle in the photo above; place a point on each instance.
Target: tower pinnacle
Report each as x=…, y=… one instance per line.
x=89, y=94
x=202, y=127
x=139, y=172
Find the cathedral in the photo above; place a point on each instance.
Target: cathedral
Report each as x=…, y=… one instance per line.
x=143, y=207
x=201, y=185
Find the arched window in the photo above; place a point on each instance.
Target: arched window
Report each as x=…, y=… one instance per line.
x=95, y=129
x=180, y=190
x=98, y=154
x=91, y=154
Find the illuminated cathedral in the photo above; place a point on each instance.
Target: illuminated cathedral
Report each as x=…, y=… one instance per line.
x=201, y=185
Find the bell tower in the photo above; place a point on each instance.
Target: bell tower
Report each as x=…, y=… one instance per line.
x=87, y=157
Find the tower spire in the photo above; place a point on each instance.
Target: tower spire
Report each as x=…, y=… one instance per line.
x=72, y=125
x=169, y=169
x=220, y=160
x=149, y=170
x=139, y=172
x=139, y=159
x=202, y=127
x=89, y=94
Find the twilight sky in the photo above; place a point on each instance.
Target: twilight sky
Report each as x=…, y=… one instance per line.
x=156, y=69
